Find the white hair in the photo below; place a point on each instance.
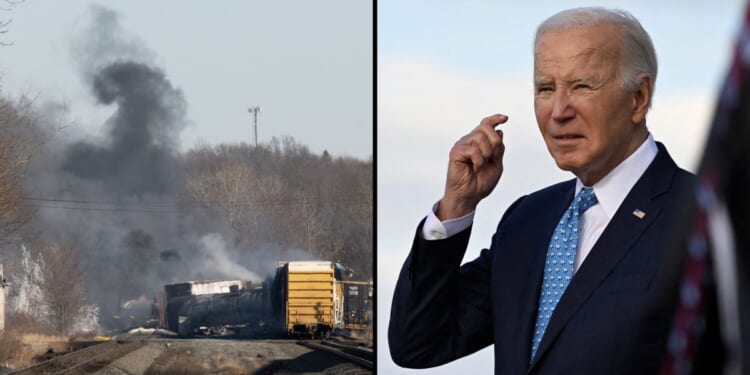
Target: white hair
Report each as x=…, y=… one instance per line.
x=639, y=56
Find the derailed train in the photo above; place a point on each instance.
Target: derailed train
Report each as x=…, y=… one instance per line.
x=304, y=297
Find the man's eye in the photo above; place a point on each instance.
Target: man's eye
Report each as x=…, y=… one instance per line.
x=544, y=89
x=581, y=86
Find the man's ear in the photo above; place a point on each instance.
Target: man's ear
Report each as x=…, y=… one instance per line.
x=642, y=98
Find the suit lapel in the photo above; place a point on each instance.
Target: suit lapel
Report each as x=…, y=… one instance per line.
x=618, y=238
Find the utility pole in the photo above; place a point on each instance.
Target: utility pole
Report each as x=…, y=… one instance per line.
x=2, y=299
x=254, y=110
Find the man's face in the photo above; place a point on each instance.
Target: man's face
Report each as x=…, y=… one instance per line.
x=585, y=115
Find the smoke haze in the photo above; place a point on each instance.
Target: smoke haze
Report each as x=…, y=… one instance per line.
x=125, y=182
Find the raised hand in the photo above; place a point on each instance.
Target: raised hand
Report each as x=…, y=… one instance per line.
x=474, y=169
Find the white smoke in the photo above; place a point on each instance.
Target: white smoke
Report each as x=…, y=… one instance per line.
x=215, y=249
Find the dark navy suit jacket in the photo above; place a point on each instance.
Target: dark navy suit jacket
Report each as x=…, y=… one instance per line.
x=613, y=318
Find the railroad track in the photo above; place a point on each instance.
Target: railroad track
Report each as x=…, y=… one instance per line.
x=83, y=361
x=355, y=354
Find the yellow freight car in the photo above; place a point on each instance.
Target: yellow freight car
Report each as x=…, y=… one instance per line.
x=307, y=297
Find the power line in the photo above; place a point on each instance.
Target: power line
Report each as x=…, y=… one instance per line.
x=95, y=202
x=106, y=209
x=137, y=207
x=60, y=200
x=338, y=198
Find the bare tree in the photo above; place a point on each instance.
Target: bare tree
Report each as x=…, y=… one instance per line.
x=242, y=193
x=16, y=151
x=6, y=5
x=63, y=285
x=22, y=137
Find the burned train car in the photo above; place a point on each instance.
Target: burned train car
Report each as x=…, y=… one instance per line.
x=357, y=304
x=205, y=305
x=303, y=298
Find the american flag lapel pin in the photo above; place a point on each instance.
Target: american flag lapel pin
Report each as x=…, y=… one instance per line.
x=639, y=214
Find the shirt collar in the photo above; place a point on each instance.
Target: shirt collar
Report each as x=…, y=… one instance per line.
x=614, y=187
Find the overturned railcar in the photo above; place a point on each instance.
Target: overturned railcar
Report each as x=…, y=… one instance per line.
x=204, y=305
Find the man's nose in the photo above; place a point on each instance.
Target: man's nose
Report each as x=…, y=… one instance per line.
x=561, y=109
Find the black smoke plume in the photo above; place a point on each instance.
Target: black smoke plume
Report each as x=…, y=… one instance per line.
x=140, y=155
x=117, y=192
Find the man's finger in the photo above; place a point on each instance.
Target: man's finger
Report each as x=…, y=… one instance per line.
x=469, y=155
x=477, y=159
x=480, y=140
x=498, y=154
x=487, y=127
x=494, y=137
x=494, y=120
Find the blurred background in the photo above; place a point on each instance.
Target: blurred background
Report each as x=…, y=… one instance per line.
x=443, y=66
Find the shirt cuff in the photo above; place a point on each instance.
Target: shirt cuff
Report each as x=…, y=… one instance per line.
x=434, y=229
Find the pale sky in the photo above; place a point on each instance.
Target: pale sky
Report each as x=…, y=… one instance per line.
x=444, y=65
x=308, y=64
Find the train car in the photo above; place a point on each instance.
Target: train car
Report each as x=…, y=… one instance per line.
x=210, y=305
x=357, y=304
x=304, y=299
x=301, y=298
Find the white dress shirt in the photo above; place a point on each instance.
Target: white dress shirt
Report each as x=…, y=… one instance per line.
x=610, y=192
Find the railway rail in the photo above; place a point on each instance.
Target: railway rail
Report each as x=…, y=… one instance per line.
x=83, y=361
x=355, y=354
x=170, y=355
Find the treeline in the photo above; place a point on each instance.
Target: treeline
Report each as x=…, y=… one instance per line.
x=282, y=194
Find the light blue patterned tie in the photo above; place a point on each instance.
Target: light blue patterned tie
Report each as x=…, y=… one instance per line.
x=561, y=258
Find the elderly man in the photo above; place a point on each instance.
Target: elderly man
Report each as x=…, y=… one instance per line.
x=571, y=283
